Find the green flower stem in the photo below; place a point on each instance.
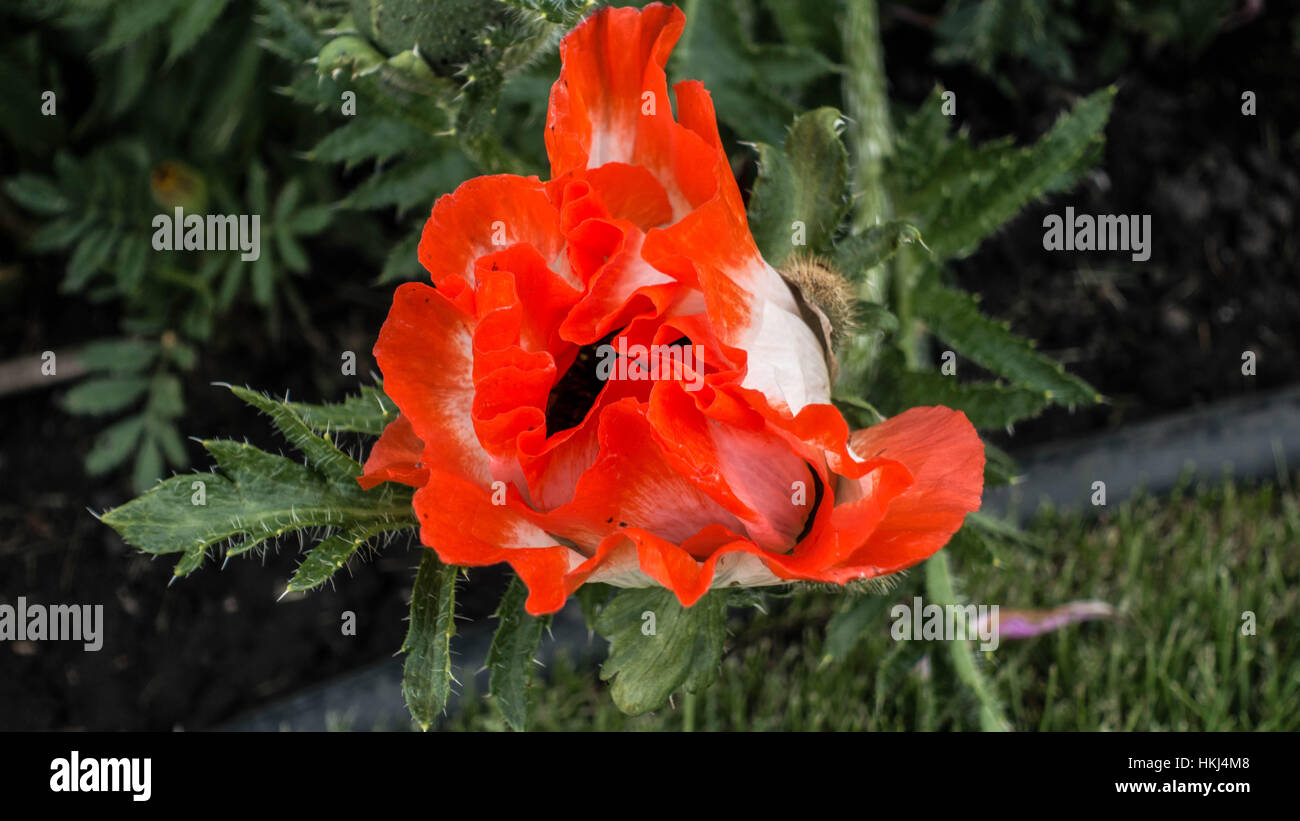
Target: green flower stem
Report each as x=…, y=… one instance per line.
x=871, y=140
x=938, y=583
x=871, y=137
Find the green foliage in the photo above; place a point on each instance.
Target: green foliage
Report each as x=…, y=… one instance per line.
x=260, y=496
x=988, y=405
x=133, y=373
x=368, y=412
x=982, y=33
x=939, y=586
x=994, y=35
x=857, y=254
x=428, y=96
x=999, y=467
x=958, y=194
x=426, y=676
x=848, y=626
x=510, y=657
x=658, y=647
x=755, y=86
x=189, y=81
x=802, y=190
x=954, y=317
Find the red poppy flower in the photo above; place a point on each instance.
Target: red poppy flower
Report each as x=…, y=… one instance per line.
x=607, y=382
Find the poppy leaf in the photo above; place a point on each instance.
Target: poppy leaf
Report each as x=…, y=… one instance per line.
x=954, y=317
x=368, y=412
x=510, y=657
x=657, y=647
x=958, y=193
x=426, y=676
x=256, y=495
x=331, y=462
x=801, y=194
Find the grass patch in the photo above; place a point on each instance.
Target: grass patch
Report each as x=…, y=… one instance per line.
x=1180, y=570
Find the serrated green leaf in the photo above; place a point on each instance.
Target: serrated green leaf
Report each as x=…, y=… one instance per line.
x=132, y=21
x=850, y=623
x=999, y=467
x=263, y=280
x=988, y=405
x=683, y=652
x=103, y=395
x=58, y=234
x=333, y=463
x=131, y=263
x=119, y=355
x=246, y=544
x=181, y=354
x=403, y=262
x=858, y=254
x=193, y=21
x=287, y=202
x=166, y=399
x=983, y=32
x=510, y=657
x=410, y=182
x=801, y=194
x=333, y=553
x=37, y=194
x=311, y=220
x=563, y=12
x=257, y=188
x=377, y=137
x=1000, y=530
x=257, y=495
x=971, y=545
x=955, y=318
x=958, y=194
x=859, y=412
x=169, y=440
x=114, y=444
x=148, y=465
x=231, y=283
x=88, y=259
x=755, y=86
x=369, y=412
x=591, y=598
x=295, y=258
x=231, y=105
x=426, y=676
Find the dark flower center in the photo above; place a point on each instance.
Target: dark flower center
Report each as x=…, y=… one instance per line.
x=574, y=395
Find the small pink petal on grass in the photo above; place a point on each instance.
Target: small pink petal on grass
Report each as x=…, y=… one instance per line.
x=1023, y=624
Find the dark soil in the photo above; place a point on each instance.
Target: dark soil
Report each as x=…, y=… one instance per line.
x=1154, y=337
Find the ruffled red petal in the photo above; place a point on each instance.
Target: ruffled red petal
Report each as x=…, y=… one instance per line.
x=395, y=457
x=463, y=523
x=946, y=457
x=611, y=104
x=424, y=351
x=485, y=215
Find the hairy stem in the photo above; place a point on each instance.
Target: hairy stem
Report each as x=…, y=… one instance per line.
x=871, y=140
x=938, y=583
x=871, y=137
